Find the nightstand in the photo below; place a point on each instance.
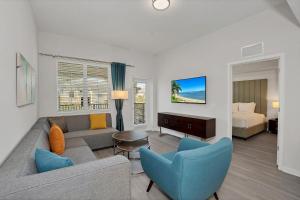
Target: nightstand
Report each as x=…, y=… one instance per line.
x=273, y=126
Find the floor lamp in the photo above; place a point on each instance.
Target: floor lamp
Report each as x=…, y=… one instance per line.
x=119, y=96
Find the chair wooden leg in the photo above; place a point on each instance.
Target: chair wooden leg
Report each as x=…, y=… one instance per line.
x=216, y=196
x=149, y=186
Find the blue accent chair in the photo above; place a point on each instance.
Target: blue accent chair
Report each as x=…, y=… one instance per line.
x=195, y=171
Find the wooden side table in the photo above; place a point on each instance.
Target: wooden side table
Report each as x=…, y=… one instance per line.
x=273, y=126
x=130, y=141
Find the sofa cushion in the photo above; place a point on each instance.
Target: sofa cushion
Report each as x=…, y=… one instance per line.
x=108, y=120
x=97, y=121
x=82, y=122
x=80, y=154
x=84, y=133
x=38, y=139
x=57, y=140
x=75, y=142
x=47, y=161
x=59, y=121
x=78, y=122
x=42, y=124
x=96, y=139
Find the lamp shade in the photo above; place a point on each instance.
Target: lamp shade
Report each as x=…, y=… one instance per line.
x=275, y=104
x=119, y=94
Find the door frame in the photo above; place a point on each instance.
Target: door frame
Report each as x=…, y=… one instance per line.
x=281, y=65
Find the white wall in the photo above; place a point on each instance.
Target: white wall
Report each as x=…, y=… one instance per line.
x=210, y=56
x=273, y=87
x=17, y=34
x=68, y=46
x=295, y=6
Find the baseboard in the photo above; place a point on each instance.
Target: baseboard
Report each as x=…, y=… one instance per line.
x=290, y=171
x=172, y=132
x=155, y=129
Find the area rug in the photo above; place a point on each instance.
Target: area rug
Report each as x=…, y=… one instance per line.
x=136, y=166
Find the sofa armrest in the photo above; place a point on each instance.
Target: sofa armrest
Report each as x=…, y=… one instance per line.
x=189, y=144
x=107, y=178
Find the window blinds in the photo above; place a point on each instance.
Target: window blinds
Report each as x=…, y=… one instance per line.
x=97, y=85
x=70, y=86
x=82, y=87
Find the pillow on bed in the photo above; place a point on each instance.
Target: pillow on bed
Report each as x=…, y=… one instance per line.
x=235, y=107
x=247, y=107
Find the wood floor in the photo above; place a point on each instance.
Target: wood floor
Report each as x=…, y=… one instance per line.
x=253, y=174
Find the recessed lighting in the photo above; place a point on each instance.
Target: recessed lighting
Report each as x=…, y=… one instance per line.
x=161, y=4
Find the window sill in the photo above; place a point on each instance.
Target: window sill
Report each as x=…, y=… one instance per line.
x=82, y=112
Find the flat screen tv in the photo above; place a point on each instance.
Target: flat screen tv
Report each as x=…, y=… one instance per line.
x=191, y=90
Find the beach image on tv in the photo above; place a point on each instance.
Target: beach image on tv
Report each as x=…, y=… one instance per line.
x=191, y=90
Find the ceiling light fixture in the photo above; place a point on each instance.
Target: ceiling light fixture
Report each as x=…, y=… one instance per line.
x=161, y=4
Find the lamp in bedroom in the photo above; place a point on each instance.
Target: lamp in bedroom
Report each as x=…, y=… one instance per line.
x=276, y=105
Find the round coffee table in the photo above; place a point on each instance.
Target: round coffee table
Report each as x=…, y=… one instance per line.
x=130, y=141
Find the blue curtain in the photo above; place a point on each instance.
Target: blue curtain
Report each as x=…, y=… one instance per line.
x=118, y=80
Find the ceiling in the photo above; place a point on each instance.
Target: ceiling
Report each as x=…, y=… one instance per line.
x=260, y=66
x=134, y=24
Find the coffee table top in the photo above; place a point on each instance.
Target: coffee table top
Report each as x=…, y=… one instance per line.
x=130, y=136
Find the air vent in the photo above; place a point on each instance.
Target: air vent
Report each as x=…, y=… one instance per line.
x=253, y=50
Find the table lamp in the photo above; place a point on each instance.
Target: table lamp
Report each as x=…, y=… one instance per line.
x=276, y=105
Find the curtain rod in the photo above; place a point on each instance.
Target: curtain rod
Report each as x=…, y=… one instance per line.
x=78, y=58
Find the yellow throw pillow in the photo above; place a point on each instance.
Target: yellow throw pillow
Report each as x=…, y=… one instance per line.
x=97, y=121
x=56, y=140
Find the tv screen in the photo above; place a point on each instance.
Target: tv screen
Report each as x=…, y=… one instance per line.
x=191, y=90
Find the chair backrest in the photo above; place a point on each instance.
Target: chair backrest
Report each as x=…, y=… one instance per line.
x=203, y=170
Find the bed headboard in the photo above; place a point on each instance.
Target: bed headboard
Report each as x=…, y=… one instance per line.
x=252, y=91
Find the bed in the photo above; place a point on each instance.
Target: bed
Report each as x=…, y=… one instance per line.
x=249, y=108
x=246, y=124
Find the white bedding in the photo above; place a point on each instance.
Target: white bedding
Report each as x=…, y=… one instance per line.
x=247, y=119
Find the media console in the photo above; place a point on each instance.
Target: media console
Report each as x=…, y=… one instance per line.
x=203, y=127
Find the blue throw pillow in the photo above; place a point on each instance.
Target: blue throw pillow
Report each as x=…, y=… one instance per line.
x=47, y=161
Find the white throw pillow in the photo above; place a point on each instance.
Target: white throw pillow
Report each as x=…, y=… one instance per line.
x=247, y=107
x=235, y=107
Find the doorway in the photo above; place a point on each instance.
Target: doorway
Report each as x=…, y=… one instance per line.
x=251, y=75
x=140, y=103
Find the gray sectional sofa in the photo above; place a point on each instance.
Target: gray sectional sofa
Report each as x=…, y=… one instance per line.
x=89, y=178
x=78, y=126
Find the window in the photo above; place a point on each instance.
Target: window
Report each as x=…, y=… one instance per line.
x=82, y=87
x=139, y=102
x=97, y=84
x=70, y=86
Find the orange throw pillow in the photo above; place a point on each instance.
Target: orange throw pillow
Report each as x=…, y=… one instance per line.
x=57, y=140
